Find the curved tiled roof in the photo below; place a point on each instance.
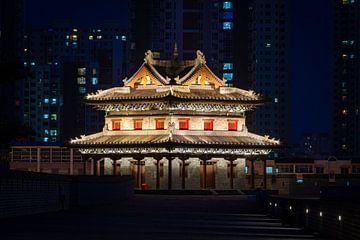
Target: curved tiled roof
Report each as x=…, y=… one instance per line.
x=161, y=92
x=196, y=140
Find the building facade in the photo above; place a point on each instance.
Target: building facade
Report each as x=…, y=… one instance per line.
x=269, y=66
x=66, y=63
x=218, y=28
x=346, y=78
x=175, y=124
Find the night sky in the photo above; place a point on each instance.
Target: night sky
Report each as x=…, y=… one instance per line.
x=310, y=26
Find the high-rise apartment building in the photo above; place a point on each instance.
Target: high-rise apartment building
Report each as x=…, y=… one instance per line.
x=217, y=28
x=66, y=63
x=346, y=78
x=269, y=66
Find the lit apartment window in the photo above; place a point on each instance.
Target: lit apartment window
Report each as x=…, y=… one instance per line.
x=53, y=132
x=184, y=124
x=53, y=116
x=232, y=125
x=345, y=2
x=138, y=124
x=227, y=5
x=227, y=25
x=46, y=116
x=116, y=125
x=81, y=80
x=228, y=76
x=227, y=66
x=208, y=124
x=159, y=123
x=94, y=80
x=269, y=170
x=81, y=71
x=82, y=90
x=344, y=112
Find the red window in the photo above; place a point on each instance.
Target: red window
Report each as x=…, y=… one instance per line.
x=183, y=123
x=116, y=125
x=232, y=125
x=159, y=123
x=138, y=124
x=208, y=124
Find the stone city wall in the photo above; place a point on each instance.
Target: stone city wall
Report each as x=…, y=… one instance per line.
x=24, y=193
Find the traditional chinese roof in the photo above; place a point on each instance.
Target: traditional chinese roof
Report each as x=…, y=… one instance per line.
x=177, y=138
x=178, y=92
x=189, y=80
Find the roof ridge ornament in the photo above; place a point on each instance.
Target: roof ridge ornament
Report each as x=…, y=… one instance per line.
x=149, y=57
x=200, y=57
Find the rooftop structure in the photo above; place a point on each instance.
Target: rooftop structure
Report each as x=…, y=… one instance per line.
x=179, y=114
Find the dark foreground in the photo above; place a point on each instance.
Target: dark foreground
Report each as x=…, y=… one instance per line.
x=155, y=217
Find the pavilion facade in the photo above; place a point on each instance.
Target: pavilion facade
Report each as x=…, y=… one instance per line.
x=175, y=125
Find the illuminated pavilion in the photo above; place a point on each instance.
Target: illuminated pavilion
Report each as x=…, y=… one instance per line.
x=175, y=125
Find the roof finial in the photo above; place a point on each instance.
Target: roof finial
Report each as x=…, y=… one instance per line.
x=175, y=53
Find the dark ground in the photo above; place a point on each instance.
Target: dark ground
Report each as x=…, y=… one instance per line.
x=155, y=217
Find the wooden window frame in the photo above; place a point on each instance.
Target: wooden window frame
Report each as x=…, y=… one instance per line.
x=157, y=123
x=138, y=120
x=186, y=120
x=211, y=126
x=113, y=122
x=231, y=121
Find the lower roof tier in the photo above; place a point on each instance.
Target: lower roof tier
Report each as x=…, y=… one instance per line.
x=176, y=138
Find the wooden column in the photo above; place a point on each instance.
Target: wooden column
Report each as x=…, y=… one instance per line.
x=231, y=174
x=264, y=174
x=204, y=173
x=114, y=167
x=158, y=172
x=252, y=173
x=170, y=172
x=231, y=159
x=95, y=172
x=138, y=175
x=183, y=173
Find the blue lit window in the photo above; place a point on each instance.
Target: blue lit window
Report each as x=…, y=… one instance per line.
x=227, y=5
x=53, y=101
x=46, y=116
x=269, y=170
x=46, y=100
x=123, y=38
x=300, y=181
x=46, y=139
x=94, y=80
x=67, y=44
x=227, y=25
x=246, y=169
x=53, y=132
x=227, y=66
x=82, y=90
x=351, y=56
x=46, y=132
x=228, y=76
x=228, y=15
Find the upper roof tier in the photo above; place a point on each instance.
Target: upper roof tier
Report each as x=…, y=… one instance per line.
x=183, y=80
